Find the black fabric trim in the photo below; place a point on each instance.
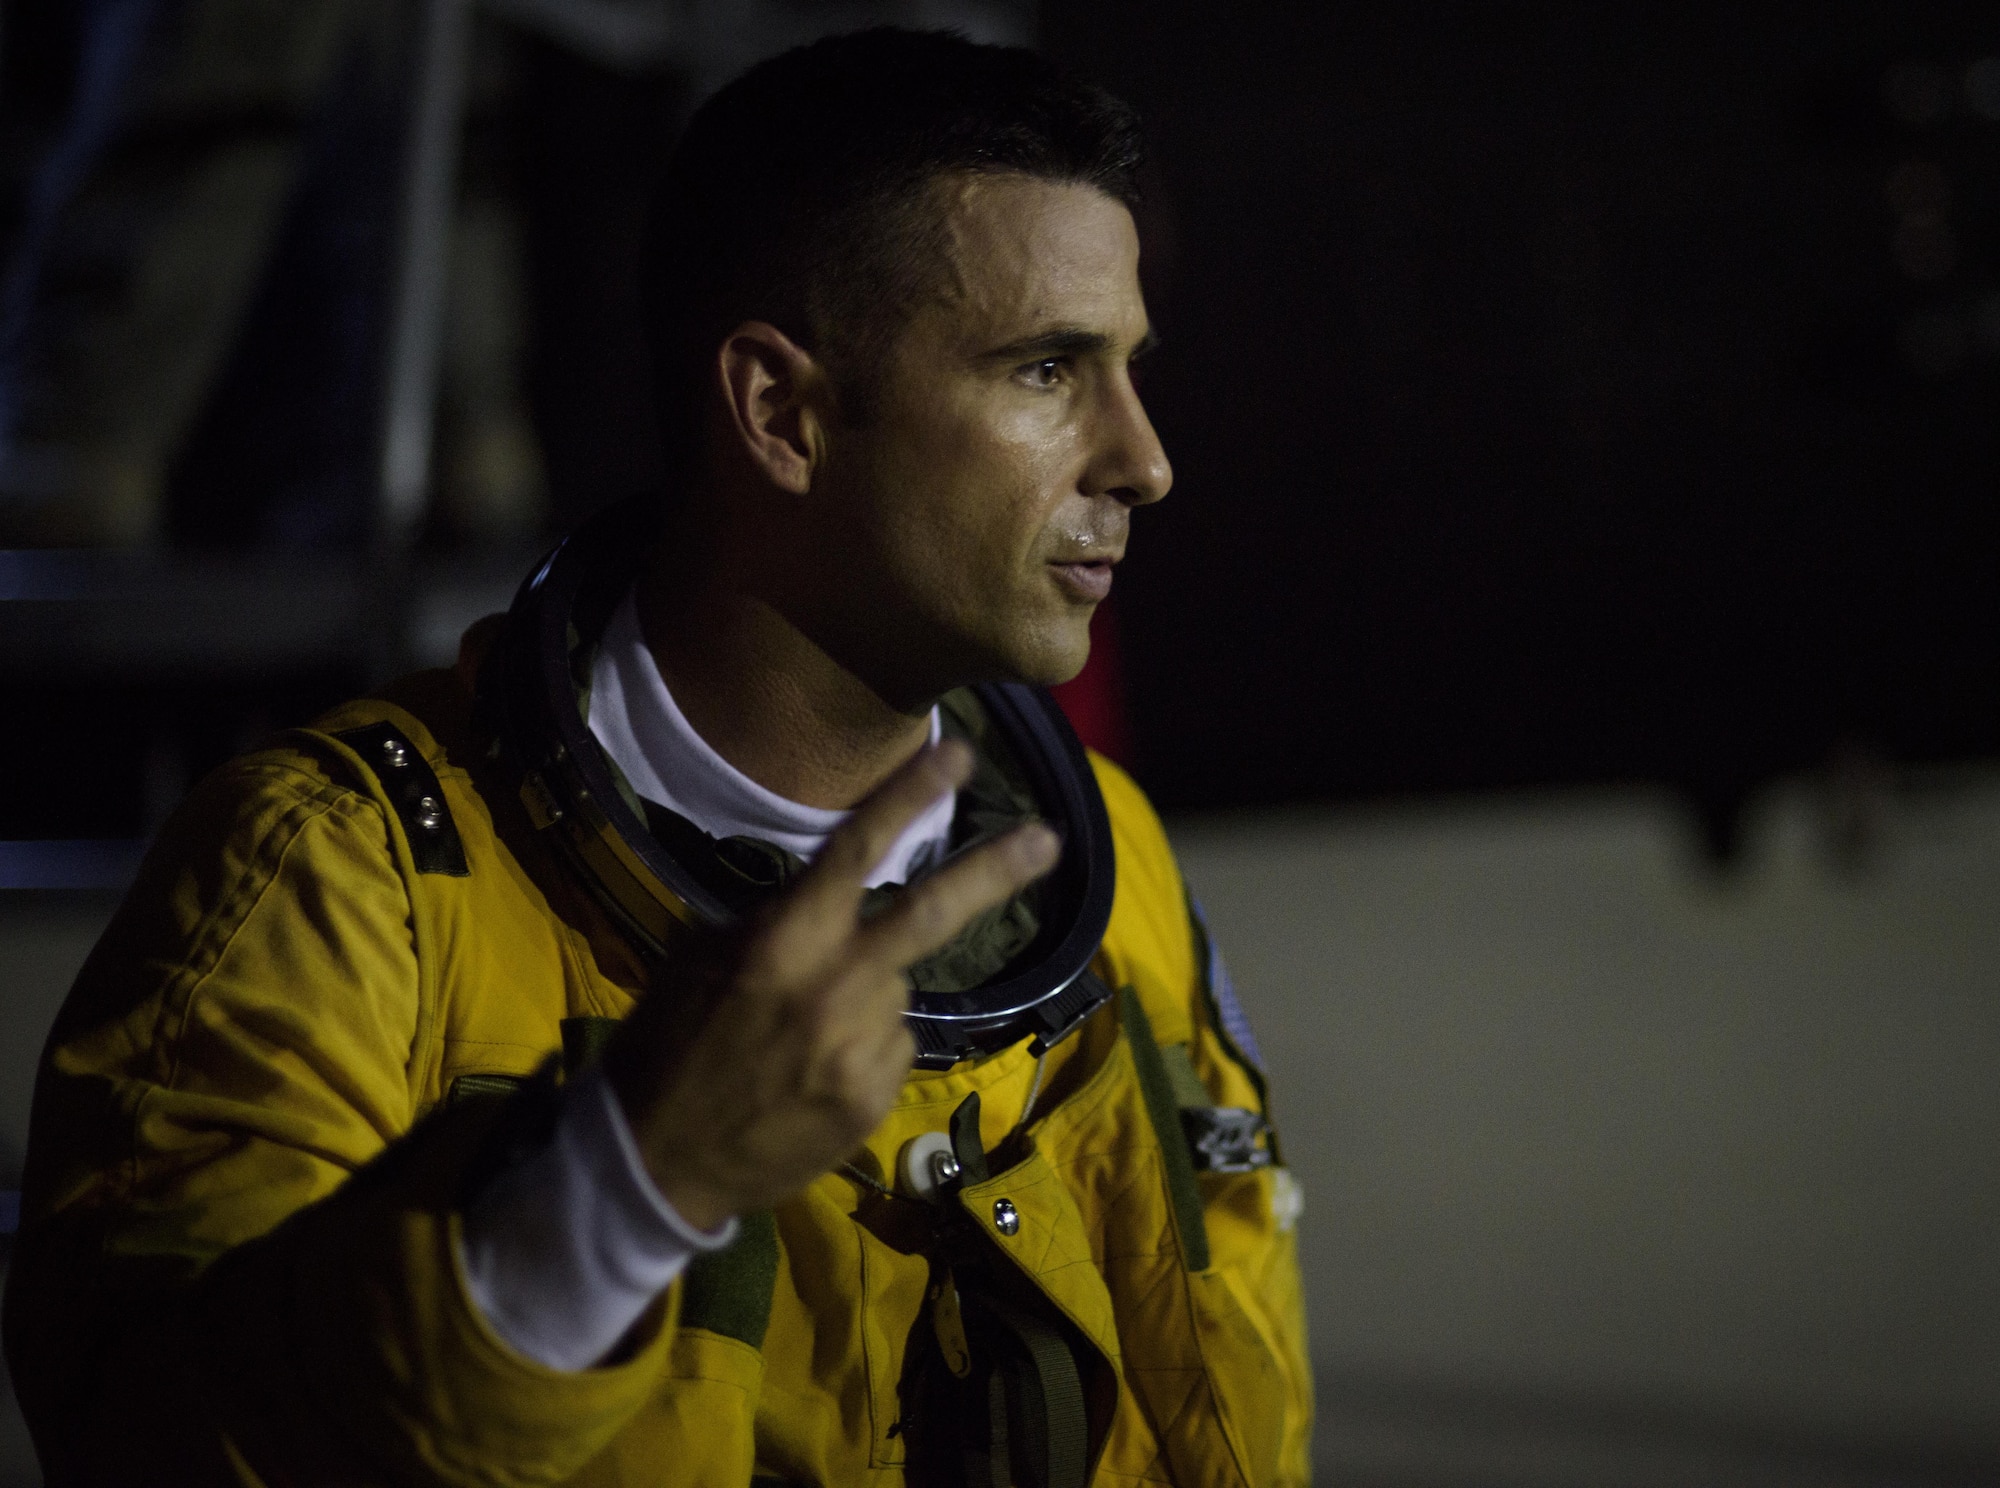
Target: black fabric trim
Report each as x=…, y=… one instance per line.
x=418, y=800
x=583, y=1041
x=965, y=1144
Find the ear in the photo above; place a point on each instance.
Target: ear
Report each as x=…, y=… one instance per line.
x=775, y=393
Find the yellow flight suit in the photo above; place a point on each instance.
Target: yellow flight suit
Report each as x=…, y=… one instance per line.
x=238, y=1265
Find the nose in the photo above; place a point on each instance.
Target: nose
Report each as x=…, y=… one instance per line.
x=1129, y=462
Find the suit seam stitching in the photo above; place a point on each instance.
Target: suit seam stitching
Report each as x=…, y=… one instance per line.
x=241, y=900
x=311, y=807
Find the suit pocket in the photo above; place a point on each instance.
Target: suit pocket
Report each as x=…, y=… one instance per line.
x=1248, y=1386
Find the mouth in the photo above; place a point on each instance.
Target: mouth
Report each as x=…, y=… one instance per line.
x=1086, y=578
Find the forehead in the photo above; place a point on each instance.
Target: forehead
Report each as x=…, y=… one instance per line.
x=1025, y=253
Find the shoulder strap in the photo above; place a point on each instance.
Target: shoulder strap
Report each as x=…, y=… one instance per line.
x=412, y=790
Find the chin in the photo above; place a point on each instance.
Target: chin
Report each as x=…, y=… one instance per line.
x=1048, y=655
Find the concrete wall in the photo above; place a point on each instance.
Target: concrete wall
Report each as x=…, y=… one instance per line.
x=1617, y=1170
x=1612, y=1160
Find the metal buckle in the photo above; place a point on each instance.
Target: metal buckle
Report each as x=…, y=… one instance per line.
x=1225, y=1139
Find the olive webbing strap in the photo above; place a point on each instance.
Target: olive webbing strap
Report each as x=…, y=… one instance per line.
x=1156, y=1085
x=995, y=1468
x=1046, y=1392
x=729, y=1291
x=1035, y=1412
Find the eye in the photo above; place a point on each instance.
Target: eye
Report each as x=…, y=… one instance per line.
x=1046, y=373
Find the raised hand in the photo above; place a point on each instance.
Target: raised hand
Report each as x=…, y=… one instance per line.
x=778, y=1048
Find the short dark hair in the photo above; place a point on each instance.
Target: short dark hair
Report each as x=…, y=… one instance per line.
x=799, y=195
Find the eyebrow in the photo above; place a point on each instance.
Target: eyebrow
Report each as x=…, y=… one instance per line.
x=1065, y=341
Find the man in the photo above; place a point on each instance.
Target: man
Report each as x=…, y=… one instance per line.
x=313, y=1198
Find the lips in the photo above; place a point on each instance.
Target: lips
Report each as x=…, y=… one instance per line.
x=1088, y=578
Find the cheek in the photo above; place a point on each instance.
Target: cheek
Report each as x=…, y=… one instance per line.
x=1024, y=460
x=1037, y=439
x=980, y=492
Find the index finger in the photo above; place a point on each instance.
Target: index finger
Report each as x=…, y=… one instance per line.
x=928, y=914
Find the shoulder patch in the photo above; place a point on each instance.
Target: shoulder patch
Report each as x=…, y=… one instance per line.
x=1229, y=1014
x=413, y=790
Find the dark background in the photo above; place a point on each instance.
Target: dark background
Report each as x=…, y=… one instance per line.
x=1559, y=394
x=1548, y=401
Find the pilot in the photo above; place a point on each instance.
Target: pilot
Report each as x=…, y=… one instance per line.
x=726, y=1030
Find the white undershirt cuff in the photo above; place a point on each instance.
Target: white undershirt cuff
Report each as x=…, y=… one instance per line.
x=563, y=1252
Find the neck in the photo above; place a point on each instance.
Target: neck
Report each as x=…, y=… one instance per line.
x=765, y=696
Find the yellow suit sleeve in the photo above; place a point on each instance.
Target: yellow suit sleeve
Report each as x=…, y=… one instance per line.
x=238, y=1261
x=1248, y=1216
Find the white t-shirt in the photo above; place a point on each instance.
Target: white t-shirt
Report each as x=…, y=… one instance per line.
x=565, y=1251
x=643, y=729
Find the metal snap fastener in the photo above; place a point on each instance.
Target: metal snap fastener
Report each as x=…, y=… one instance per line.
x=430, y=813
x=1006, y=1218
x=394, y=752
